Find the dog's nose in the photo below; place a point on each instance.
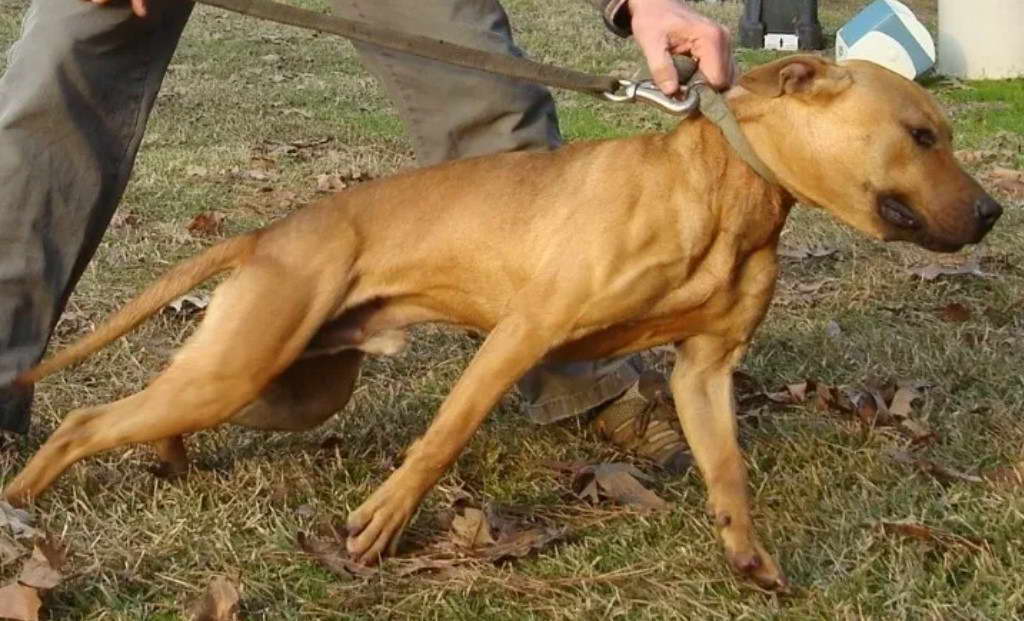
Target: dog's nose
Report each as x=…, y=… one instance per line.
x=988, y=211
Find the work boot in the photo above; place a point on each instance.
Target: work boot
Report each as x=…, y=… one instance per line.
x=643, y=421
x=14, y=408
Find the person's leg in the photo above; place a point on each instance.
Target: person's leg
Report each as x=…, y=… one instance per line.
x=452, y=112
x=74, y=102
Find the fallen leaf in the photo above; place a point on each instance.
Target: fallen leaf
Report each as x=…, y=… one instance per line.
x=257, y=174
x=814, y=285
x=333, y=556
x=43, y=569
x=806, y=252
x=219, y=603
x=974, y=157
x=488, y=535
x=189, y=304
x=271, y=58
x=944, y=538
x=617, y=481
x=902, y=402
x=123, y=219
x=330, y=183
x=19, y=603
x=18, y=521
x=833, y=330
x=1009, y=180
x=206, y=224
x=1007, y=476
x=954, y=312
x=471, y=529
x=971, y=266
x=196, y=171
x=10, y=550
x=918, y=432
x=939, y=471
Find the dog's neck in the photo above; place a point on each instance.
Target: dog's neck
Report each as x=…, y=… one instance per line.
x=751, y=113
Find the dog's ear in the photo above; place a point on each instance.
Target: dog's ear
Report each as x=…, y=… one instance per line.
x=801, y=74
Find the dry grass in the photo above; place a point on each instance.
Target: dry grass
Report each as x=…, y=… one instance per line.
x=143, y=547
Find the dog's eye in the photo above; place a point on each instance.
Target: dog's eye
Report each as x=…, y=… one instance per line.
x=923, y=136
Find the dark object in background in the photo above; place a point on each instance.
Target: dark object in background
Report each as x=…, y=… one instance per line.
x=787, y=17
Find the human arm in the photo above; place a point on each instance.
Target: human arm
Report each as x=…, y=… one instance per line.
x=663, y=28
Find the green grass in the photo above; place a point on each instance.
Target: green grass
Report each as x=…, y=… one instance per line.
x=142, y=548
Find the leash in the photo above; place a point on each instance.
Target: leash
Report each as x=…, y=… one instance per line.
x=697, y=94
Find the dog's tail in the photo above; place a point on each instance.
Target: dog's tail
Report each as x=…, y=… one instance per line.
x=175, y=283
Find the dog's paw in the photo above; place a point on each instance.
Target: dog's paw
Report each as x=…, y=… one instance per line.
x=375, y=527
x=757, y=565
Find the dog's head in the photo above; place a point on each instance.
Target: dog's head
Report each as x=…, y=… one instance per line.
x=867, y=145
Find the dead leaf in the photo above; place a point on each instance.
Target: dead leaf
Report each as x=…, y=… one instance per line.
x=18, y=521
x=257, y=174
x=943, y=473
x=196, y=171
x=619, y=482
x=43, y=569
x=814, y=285
x=971, y=267
x=330, y=183
x=19, y=603
x=490, y=536
x=189, y=304
x=903, y=400
x=974, y=156
x=219, y=603
x=944, y=538
x=206, y=224
x=918, y=432
x=333, y=556
x=10, y=550
x=833, y=330
x=806, y=252
x=954, y=312
x=1007, y=477
x=471, y=529
x=1009, y=180
x=123, y=219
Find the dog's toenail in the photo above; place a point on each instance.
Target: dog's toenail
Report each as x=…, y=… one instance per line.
x=751, y=564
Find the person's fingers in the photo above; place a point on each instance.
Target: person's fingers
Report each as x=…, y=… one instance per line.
x=659, y=62
x=138, y=6
x=712, y=50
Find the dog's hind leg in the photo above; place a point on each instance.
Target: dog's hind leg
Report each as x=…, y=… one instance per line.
x=703, y=392
x=258, y=324
x=305, y=395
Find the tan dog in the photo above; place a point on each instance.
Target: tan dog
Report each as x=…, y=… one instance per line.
x=596, y=249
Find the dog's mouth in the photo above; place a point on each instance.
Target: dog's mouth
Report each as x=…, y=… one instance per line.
x=895, y=211
x=909, y=226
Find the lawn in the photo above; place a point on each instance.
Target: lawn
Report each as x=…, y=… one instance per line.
x=255, y=118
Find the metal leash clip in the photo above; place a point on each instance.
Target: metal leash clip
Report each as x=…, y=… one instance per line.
x=646, y=91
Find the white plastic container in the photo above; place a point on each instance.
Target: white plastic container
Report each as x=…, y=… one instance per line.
x=981, y=39
x=888, y=33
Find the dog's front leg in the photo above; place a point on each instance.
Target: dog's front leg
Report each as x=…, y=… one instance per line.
x=702, y=389
x=509, y=351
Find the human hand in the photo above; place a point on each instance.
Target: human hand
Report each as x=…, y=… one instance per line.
x=138, y=6
x=663, y=28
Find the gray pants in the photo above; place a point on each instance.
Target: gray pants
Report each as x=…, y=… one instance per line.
x=74, y=103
